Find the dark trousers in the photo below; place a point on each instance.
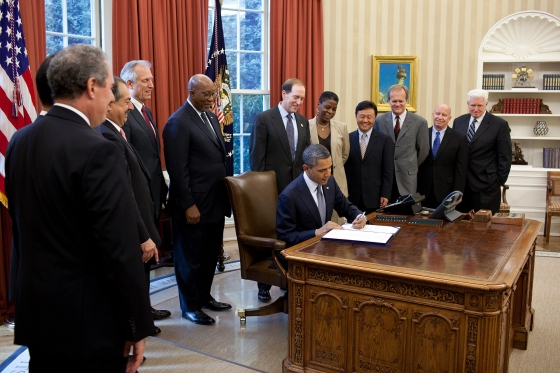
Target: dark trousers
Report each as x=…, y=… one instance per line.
x=431, y=200
x=488, y=199
x=195, y=252
x=48, y=363
x=394, y=190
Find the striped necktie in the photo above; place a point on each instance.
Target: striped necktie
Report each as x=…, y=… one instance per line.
x=363, y=144
x=471, y=132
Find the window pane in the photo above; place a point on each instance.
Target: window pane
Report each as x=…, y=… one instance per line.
x=246, y=164
x=229, y=25
x=251, y=31
x=54, y=19
x=210, y=25
x=79, y=17
x=229, y=4
x=54, y=44
x=236, y=155
x=232, y=68
x=252, y=105
x=251, y=67
x=235, y=105
x=78, y=41
x=251, y=4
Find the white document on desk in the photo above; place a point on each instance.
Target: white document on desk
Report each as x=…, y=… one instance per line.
x=373, y=228
x=376, y=236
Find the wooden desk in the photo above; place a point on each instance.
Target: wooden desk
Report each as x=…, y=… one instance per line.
x=455, y=298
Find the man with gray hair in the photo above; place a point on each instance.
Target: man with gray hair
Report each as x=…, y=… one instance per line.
x=489, y=153
x=142, y=133
x=306, y=204
x=75, y=259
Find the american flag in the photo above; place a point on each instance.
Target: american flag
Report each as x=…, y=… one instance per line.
x=217, y=70
x=17, y=98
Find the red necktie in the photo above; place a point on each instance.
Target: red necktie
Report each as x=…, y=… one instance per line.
x=122, y=134
x=148, y=123
x=397, y=127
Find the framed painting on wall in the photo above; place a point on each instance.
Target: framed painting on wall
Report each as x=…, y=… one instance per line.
x=389, y=70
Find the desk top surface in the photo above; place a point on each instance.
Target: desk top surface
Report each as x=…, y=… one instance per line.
x=462, y=252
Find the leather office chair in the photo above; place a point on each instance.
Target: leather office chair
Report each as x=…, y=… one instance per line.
x=253, y=197
x=552, y=204
x=504, y=206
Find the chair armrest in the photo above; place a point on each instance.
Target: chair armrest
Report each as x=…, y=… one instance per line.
x=270, y=243
x=273, y=244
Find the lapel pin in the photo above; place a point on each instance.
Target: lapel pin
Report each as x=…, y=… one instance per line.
x=327, y=187
x=301, y=125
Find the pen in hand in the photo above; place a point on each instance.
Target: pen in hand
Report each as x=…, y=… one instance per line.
x=357, y=222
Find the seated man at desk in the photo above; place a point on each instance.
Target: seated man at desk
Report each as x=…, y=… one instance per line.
x=306, y=205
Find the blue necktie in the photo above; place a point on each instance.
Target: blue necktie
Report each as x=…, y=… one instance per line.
x=470, y=134
x=437, y=141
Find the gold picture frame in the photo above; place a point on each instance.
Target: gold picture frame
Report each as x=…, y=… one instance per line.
x=389, y=70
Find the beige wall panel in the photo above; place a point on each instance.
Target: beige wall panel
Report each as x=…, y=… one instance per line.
x=444, y=34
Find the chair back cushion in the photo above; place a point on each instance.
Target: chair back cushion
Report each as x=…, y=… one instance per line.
x=253, y=197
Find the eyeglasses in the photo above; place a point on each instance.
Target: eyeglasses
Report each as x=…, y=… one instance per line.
x=207, y=95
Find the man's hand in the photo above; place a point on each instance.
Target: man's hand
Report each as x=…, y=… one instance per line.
x=359, y=222
x=149, y=249
x=383, y=202
x=193, y=215
x=137, y=354
x=326, y=228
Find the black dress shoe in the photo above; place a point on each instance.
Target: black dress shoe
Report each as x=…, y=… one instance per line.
x=199, y=317
x=214, y=305
x=156, y=331
x=160, y=314
x=264, y=295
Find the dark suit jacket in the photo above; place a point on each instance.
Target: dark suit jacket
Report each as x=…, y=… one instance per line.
x=411, y=148
x=75, y=261
x=139, y=182
x=297, y=215
x=196, y=162
x=489, y=152
x=142, y=139
x=446, y=172
x=371, y=177
x=270, y=150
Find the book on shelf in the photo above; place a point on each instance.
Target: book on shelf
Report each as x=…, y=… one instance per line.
x=551, y=158
x=493, y=81
x=512, y=218
x=551, y=82
x=521, y=105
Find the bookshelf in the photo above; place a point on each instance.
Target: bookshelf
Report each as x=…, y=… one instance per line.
x=530, y=39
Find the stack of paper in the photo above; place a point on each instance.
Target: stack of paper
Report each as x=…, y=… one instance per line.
x=379, y=234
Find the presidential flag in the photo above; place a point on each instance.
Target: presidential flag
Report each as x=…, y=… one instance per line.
x=17, y=98
x=217, y=70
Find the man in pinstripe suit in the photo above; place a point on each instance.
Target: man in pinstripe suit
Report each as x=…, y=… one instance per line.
x=138, y=175
x=489, y=153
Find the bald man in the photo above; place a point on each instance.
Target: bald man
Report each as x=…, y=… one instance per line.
x=445, y=168
x=195, y=155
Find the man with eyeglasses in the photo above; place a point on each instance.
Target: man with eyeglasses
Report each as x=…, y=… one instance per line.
x=195, y=155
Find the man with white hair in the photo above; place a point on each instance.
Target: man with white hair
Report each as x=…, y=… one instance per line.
x=489, y=153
